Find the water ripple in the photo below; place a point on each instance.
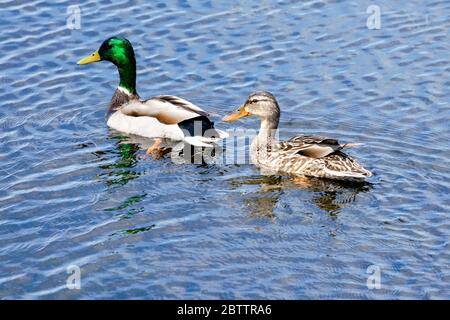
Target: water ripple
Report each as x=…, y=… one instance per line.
x=73, y=192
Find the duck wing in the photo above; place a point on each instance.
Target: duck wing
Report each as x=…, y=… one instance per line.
x=311, y=146
x=167, y=109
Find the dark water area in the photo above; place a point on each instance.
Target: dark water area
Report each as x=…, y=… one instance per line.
x=75, y=193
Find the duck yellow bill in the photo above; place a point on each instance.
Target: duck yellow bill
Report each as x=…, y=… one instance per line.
x=239, y=113
x=90, y=59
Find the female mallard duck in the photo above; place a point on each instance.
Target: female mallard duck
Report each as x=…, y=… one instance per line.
x=159, y=117
x=302, y=155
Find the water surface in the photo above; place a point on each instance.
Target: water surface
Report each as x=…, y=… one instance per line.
x=73, y=192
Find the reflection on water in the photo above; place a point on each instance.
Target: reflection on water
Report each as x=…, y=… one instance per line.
x=121, y=171
x=328, y=195
x=126, y=204
x=332, y=196
x=263, y=201
x=138, y=230
x=188, y=231
x=178, y=152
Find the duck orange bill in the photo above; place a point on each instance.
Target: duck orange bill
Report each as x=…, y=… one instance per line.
x=90, y=59
x=239, y=113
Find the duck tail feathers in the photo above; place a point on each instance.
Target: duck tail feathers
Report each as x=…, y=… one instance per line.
x=200, y=141
x=352, y=145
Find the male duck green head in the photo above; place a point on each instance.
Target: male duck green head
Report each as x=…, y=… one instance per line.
x=120, y=52
x=163, y=116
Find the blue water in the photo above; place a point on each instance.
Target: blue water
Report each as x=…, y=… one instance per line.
x=73, y=192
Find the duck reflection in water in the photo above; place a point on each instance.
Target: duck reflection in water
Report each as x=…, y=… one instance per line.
x=178, y=152
x=328, y=195
x=129, y=149
x=120, y=171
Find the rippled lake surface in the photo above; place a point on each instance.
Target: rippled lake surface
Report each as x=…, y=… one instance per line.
x=73, y=192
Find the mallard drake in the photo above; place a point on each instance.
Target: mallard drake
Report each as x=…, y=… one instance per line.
x=302, y=155
x=162, y=116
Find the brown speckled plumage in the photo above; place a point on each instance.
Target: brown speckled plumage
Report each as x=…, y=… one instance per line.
x=285, y=159
x=302, y=155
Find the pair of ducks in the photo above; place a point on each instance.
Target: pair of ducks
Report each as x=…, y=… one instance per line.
x=174, y=118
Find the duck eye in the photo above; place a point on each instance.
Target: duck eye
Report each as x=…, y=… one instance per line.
x=253, y=101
